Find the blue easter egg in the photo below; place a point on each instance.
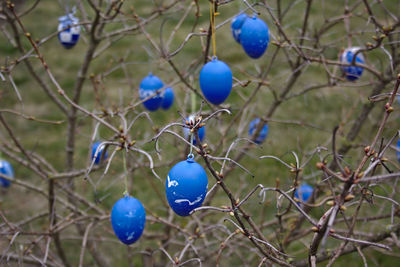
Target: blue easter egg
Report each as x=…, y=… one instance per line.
x=216, y=81
x=99, y=156
x=398, y=152
x=304, y=192
x=128, y=219
x=148, y=87
x=263, y=133
x=186, y=131
x=69, y=37
x=6, y=169
x=254, y=37
x=167, y=98
x=352, y=73
x=236, y=26
x=186, y=186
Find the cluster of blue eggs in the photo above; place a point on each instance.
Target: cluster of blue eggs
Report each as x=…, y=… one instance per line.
x=185, y=188
x=263, y=133
x=69, y=30
x=252, y=33
x=149, y=87
x=352, y=73
x=7, y=170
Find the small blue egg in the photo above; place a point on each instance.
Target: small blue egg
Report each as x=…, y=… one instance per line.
x=398, y=152
x=128, y=219
x=263, y=133
x=236, y=26
x=216, y=81
x=352, y=73
x=148, y=87
x=6, y=169
x=186, y=186
x=167, y=98
x=254, y=37
x=69, y=37
x=186, y=131
x=304, y=192
x=99, y=157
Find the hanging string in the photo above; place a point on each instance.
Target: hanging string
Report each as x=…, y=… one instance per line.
x=191, y=145
x=126, y=192
x=70, y=11
x=212, y=22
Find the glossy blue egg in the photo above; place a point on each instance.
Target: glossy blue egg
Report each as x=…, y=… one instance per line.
x=167, y=98
x=99, y=156
x=304, y=192
x=69, y=37
x=263, y=133
x=254, y=37
x=186, y=186
x=216, y=81
x=7, y=170
x=148, y=87
x=186, y=131
x=236, y=26
x=128, y=219
x=398, y=152
x=352, y=73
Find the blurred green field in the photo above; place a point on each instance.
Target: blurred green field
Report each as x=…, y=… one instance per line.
x=324, y=108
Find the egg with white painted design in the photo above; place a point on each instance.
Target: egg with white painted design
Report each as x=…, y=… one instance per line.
x=186, y=186
x=68, y=30
x=149, y=87
x=128, y=219
x=352, y=72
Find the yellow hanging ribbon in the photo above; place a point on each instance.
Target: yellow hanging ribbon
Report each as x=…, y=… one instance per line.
x=212, y=22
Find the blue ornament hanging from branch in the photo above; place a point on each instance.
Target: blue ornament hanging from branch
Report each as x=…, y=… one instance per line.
x=128, y=219
x=69, y=29
x=98, y=153
x=167, y=98
x=304, y=192
x=263, y=133
x=186, y=186
x=186, y=131
x=215, y=76
x=352, y=73
x=236, y=26
x=254, y=37
x=216, y=81
x=148, y=90
x=6, y=169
